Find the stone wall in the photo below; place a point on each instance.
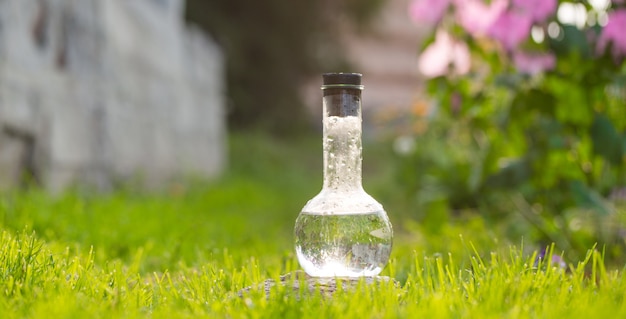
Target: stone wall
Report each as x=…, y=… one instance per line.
x=98, y=91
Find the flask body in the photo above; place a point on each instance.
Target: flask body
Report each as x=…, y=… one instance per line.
x=342, y=231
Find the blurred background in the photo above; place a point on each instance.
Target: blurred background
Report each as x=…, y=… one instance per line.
x=503, y=116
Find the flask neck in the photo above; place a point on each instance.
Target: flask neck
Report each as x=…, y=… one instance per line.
x=342, y=139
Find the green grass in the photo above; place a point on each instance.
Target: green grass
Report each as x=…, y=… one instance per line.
x=185, y=252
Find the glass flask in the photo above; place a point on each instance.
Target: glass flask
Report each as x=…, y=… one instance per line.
x=342, y=231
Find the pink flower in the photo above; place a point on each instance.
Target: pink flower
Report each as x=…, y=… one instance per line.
x=428, y=12
x=443, y=55
x=476, y=17
x=614, y=32
x=539, y=10
x=533, y=63
x=510, y=29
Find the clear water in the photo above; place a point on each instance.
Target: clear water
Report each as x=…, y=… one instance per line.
x=346, y=245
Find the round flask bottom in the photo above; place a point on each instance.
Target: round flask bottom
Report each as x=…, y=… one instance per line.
x=343, y=245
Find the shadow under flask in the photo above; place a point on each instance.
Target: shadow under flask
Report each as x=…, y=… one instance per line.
x=342, y=231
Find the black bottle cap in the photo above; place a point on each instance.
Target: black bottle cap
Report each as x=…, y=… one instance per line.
x=342, y=81
x=342, y=94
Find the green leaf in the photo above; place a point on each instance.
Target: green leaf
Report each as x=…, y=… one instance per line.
x=573, y=41
x=607, y=142
x=510, y=176
x=533, y=100
x=571, y=102
x=588, y=198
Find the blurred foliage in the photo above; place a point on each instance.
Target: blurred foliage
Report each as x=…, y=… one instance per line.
x=543, y=153
x=272, y=47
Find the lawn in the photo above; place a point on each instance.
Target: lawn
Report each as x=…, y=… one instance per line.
x=186, y=252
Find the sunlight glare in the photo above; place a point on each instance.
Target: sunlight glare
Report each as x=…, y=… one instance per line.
x=537, y=34
x=600, y=5
x=572, y=14
x=554, y=30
